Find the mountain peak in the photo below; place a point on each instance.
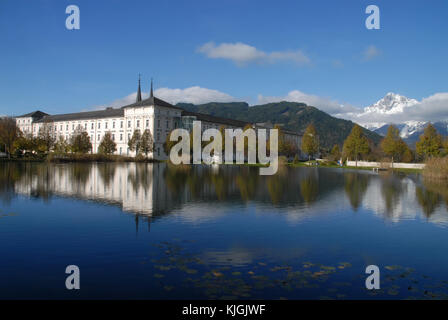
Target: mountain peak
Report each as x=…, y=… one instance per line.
x=391, y=103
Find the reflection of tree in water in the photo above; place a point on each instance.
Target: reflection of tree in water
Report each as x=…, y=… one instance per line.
x=391, y=190
x=42, y=189
x=309, y=188
x=9, y=174
x=355, y=187
x=428, y=200
x=247, y=182
x=107, y=172
x=439, y=187
x=176, y=178
x=276, y=187
x=79, y=173
x=141, y=177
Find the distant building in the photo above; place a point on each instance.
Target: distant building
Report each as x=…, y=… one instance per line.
x=159, y=116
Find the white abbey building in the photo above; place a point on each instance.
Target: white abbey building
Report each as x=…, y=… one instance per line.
x=159, y=116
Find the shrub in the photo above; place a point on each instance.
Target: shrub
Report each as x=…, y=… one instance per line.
x=436, y=168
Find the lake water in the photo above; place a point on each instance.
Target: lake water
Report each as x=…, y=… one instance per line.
x=161, y=232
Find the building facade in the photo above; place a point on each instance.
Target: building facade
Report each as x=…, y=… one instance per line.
x=156, y=115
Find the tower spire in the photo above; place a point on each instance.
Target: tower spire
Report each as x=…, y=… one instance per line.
x=139, y=91
x=151, y=95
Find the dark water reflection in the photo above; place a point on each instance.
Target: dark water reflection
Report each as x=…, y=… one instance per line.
x=219, y=232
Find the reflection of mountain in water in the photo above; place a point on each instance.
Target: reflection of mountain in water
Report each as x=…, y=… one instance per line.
x=204, y=192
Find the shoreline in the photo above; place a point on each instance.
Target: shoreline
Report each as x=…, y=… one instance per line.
x=116, y=158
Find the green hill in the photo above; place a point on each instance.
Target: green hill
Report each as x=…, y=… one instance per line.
x=290, y=115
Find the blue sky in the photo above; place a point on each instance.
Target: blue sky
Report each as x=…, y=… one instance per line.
x=318, y=48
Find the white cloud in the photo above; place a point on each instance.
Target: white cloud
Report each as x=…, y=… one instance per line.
x=371, y=53
x=242, y=54
x=196, y=95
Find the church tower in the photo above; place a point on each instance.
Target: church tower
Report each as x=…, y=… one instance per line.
x=139, y=91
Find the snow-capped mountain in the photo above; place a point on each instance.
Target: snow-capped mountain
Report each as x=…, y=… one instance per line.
x=395, y=104
x=392, y=103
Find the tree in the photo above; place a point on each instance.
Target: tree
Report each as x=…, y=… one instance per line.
x=147, y=143
x=80, y=142
x=169, y=144
x=310, y=143
x=107, y=145
x=356, y=144
x=135, y=143
x=45, y=136
x=335, y=153
x=24, y=143
x=61, y=146
x=430, y=142
x=9, y=132
x=393, y=145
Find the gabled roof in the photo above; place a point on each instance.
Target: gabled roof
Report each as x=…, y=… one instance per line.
x=34, y=114
x=152, y=101
x=106, y=113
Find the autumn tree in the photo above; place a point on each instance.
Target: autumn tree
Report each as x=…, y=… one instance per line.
x=80, y=142
x=430, y=142
x=335, y=152
x=147, y=142
x=356, y=144
x=135, y=142
x=393, y=145
x=107, y=145
x=310, y=142
x=9, y=132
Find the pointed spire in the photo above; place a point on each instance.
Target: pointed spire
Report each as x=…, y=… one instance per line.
x=151, y=95
x=139, y=91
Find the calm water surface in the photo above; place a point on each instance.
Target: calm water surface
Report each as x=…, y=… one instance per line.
x=158, y=232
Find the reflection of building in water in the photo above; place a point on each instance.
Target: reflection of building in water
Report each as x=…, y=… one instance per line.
x=205, y=192
x=137, y=187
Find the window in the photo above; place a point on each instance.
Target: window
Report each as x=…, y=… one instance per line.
x=167, y=124
x=158, y=151
x=106, y=125
x=60, y=127
x=138, y=123
x=92, y=125
x=113, y=125
x=158, y=123
x=85, y=126
x=129, y=136
x=99, y=137
x=66, y=127
x=113, y=137
x=147, y=123
x=99, y=125
x=129, y=124
x=121, y=137
x=158, y=135
x=121, y=124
